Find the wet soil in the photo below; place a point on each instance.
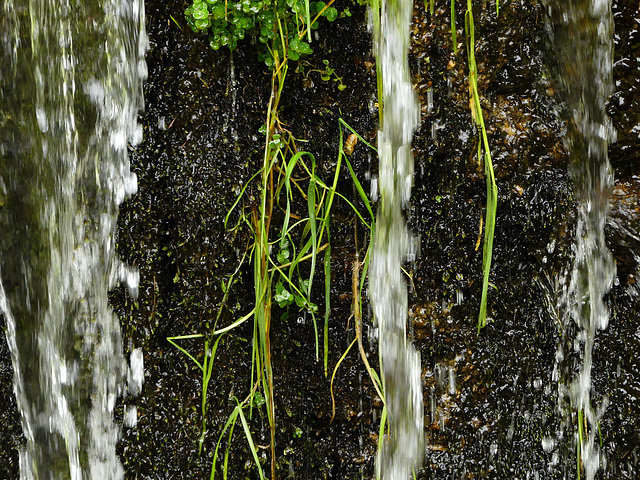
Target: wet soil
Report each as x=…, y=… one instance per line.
x=490, y=398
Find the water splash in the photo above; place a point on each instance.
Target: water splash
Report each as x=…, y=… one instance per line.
x=582, y=33
x=70, y=93
x=388, y=291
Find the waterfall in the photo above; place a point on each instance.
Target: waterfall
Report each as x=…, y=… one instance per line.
x=582, y=33
x=400, y=362
x=70, y=91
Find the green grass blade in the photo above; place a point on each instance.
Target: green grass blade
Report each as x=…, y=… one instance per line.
x=365, y=265
x=580, y=440
x=230, y=422
x=311, y=203
x=490, y=226
x=185, y=337
x=383, y=424
x=289, y=166
x=176, y=22
x=238, y=322
x=454, y=35
x=235, y=204
x=360, y=191
x=354, y=178
x=353, y=207
x=209, y=356
x=350, y=128
x=252, y=446
x=327, y=301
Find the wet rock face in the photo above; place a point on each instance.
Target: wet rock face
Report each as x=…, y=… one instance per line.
x=490, y=399
x=623, y=104
x=504, y=394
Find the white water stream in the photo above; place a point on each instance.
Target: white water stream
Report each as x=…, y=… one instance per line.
x=400, y=362
x=70, y=93
x=582, y=33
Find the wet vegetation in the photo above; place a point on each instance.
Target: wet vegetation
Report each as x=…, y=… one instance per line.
x=491, y=397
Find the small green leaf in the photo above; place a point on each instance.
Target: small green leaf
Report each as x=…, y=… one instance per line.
x=202, y=24
x=258, y=399
x=282, y=297
x=275, y=142
x=331, y=13
x=218, y=12
x=305, y=48
x=301, y=302
x=283, y=256
x=200, y=14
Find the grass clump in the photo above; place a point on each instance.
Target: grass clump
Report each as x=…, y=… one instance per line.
x=285, y=241
x=484, y=154
x=289, y=216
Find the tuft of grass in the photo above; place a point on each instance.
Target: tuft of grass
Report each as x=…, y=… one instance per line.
x=284, y=256
x=359, y=273
x=229, y=426
x=483, y=144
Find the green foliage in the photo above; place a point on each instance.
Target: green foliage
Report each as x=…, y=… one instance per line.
x=229, y=427
x=329, y=73
x=279, y=255
x=483, y=143
x=279, y=25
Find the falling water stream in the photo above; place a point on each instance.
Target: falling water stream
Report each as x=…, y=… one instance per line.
x=582, y=34
x=70, y=91
x=400, y=361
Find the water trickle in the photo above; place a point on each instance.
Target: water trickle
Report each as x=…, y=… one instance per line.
x=582, y=33
x=388, y=291
x=70, y=93
x=231, y=122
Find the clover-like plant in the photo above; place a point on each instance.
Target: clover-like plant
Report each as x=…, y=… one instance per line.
x=282, y=26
